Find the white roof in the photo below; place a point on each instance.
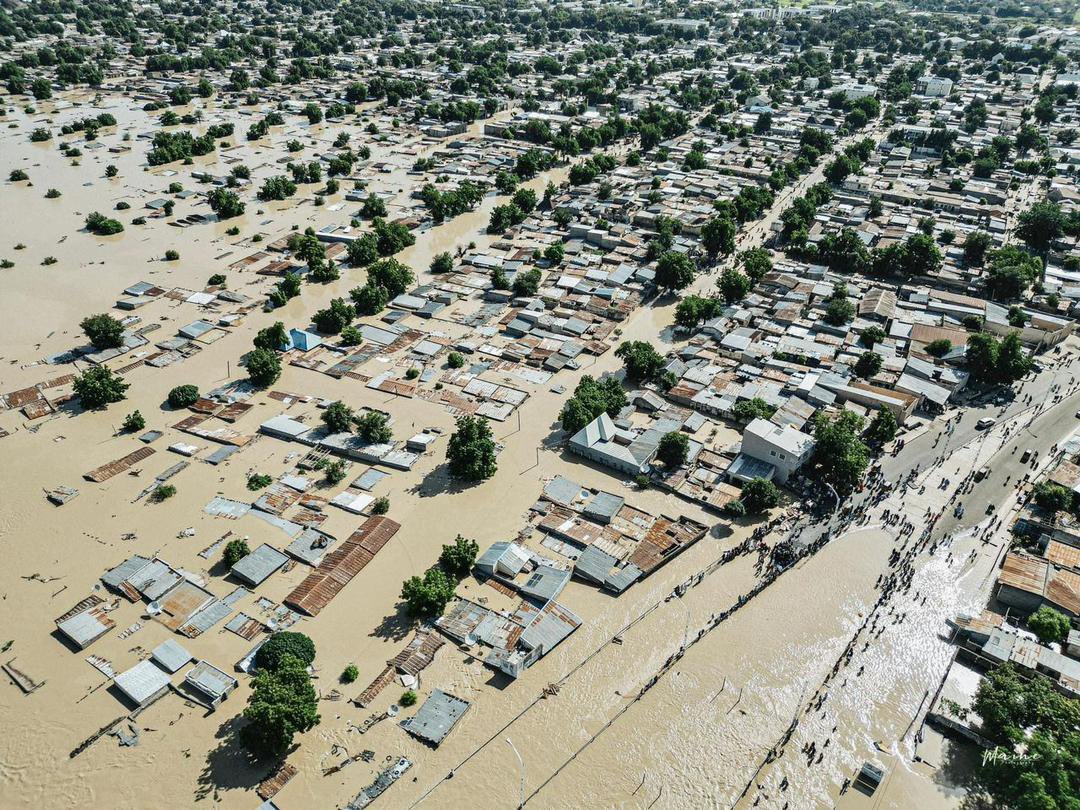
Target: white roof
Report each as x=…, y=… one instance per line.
x=142, y=681
x=784, y=438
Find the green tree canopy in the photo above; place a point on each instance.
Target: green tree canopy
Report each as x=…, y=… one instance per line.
x=104, y=331
x=640, y=359
x=673, y=449
x=471, y=449
x=759, y=494
x=282, y=703
x=457, y=558
x=98, y=386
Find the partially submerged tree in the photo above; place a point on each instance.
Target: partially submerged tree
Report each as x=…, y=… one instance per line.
x=471, y=450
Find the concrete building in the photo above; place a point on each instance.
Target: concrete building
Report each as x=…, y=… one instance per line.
x=785, y=448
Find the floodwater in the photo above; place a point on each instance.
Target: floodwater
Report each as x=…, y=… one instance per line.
x=693, y=740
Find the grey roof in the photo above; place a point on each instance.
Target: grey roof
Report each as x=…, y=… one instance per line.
x=86, y=627
x=170, y=655
x=310, y=546
x=604, y=506
x=116, y=576
x=142, y=682
x=195, y=329
x=369, y=478
x=748, y=467
x=562, y=490
x=545, y=583
x=210, y=680
x=257, y=566
x=553, y=624
x=221, y=454
x=623, y=578
x=206, y=618
x=436, y=718
x=594, y=565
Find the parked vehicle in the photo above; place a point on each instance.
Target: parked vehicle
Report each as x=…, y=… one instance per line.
x=982, y=472
x=1024, y=459
x=985, y=422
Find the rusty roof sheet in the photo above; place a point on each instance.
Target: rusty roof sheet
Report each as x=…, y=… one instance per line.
x=1064, y=591
x=1024, y=573
x=1063, y=554
x=269, y=788
x=107, y=471
x=341, y=565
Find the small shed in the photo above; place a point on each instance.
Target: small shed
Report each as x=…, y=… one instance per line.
x=143, y=683
x=170, y=656
x=256, y=567
x=436, y=718
x=211, y=682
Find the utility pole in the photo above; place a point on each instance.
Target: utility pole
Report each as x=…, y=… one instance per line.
x=521, y=763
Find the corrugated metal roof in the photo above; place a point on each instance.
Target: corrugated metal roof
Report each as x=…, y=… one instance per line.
x=341, y=565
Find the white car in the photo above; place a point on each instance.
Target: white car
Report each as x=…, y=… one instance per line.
x=985, y=423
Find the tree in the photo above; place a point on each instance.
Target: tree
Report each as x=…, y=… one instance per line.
x=104, y=331
x=673, y=449
x=272, y=337
x=748, y=410
x=391, y=275
x=871, y=335
x=455, y=360
x=590, y=399
x=693, y=309
x=733, y=285
x=868, y=364
x=674, y=271
x=374, y=427
x=350, y=674
x=1011, y=271
x=183, y=396
x=1021, y=710
x=640, y=359
x=132, y=422
x=101, y=225
x=363, y=251
x=272, y=654
x=373, y=206
x=839, y=310
x=277, y=188
x=840, y=457
x=336, y=317
x=526, y=283
x=939, y=347
x=471, y=450
x=235, y=550
x=757, y=263
x=1040, y=225
x=338, y=417
x=263, y=367
x=225, y=203
x=759, y=494
x=1049, y=625
x=98, y=387
x=426, y=598
x=718, y=236
x=1013, y=361
x=976, y=244
x=282, y=702
x=882, y=428
x=1053, y=497
x=457, y=559
x=442, y=263
x=369, y=299
x=41, y=89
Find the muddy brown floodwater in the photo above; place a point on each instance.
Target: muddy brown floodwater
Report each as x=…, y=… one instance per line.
x=692, y=741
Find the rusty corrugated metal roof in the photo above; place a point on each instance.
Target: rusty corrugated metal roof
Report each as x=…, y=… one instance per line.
x=341, y=565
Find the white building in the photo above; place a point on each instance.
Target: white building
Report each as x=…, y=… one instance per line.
x=936, y=85
x=784, y=448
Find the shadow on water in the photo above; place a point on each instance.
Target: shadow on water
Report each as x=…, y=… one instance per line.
x=439, y=482
x=395, y=626
x=229, y=766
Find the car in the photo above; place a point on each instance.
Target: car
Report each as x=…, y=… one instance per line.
x=958, y=511
x=982, y=472
x=985, y=422
x=1024, y=459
